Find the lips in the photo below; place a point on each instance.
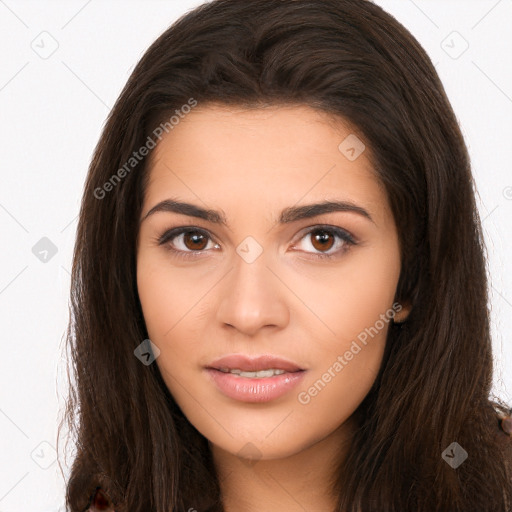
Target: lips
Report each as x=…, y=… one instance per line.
x=247, y=364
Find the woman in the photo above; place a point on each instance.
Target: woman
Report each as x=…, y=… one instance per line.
x=279, y=293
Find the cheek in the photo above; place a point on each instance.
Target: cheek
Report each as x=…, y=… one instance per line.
x=167, y=294
x=156, y=301
x=357, y=311
x=171, y=304
x=345, y=370
x=332, y=395
x=351, y=298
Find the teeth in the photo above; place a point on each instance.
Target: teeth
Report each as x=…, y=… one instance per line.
x=259, y=374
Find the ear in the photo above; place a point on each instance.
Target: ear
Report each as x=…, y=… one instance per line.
x=402, y=311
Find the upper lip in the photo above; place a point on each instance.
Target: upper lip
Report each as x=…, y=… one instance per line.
x=254, y=364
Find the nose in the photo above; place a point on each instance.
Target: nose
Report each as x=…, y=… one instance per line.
x=252, y=297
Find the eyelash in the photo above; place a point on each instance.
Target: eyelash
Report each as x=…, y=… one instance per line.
x=346, y=237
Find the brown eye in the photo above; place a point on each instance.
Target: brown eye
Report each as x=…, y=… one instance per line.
x=194, y=240
x=187, y=241
x=327, y=241
x=322, y=240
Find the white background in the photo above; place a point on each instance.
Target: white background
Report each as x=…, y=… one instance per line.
x=52, y=112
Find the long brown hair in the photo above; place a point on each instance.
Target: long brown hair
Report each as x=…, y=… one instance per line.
x=351, y=59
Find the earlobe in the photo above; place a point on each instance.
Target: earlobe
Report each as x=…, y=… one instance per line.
x=401, y=314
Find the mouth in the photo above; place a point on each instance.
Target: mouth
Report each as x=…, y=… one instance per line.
x=244, y=364
x=260, y=379
x=260, y=374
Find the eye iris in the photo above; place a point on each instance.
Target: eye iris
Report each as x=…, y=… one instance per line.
x=195, y=236
x=322, y=238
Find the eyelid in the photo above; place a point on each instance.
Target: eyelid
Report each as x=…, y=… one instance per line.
x=328, y=227
x=172, y=233
x=345, y=236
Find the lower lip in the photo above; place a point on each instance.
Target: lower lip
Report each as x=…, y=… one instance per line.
x=246, y=389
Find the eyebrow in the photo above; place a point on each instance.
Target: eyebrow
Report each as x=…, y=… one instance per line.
x=288, y=215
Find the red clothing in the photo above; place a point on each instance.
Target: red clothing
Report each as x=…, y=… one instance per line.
x=101, y=502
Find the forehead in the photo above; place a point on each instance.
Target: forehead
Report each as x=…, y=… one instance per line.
x=261, y=156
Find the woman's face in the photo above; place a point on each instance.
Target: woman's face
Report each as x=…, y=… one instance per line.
x=250, y=279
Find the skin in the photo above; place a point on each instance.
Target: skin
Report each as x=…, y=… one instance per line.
x=250, y=164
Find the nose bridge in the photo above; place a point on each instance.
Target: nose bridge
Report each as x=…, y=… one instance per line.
x=252, y=297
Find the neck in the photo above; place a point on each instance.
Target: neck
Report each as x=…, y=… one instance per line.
x=295, y=483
